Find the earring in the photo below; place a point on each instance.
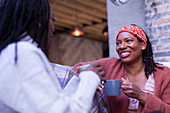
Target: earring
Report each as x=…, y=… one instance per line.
x=39, y=25
x=144, y=59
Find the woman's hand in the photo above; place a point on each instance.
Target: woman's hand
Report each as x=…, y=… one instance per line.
x=133, y=91
x=95, y=67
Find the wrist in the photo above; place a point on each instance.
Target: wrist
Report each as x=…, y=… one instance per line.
x=143, y=97
x=91, y=75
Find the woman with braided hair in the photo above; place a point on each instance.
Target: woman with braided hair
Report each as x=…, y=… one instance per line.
x=27, y=81
x=146, y=84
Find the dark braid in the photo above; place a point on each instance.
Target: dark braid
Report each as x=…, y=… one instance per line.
x=24, y=16
x=147, y=55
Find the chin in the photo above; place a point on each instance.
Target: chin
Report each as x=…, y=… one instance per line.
x=125, y=60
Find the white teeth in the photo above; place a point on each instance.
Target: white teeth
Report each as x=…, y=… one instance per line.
x=125, y=53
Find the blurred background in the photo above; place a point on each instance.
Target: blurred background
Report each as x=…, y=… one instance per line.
x=85, y=30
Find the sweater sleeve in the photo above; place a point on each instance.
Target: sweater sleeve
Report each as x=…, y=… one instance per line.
x=154, y=103
x=103, y=63
x=30, y=86
x=160, y=101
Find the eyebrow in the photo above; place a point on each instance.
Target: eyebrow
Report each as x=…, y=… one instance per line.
x=127, y=37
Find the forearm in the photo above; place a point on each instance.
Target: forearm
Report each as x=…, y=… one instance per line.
x=45, y=98
x=87, y=87
x=154, y=103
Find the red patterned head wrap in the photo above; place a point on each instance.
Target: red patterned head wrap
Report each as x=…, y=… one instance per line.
x=135, y=30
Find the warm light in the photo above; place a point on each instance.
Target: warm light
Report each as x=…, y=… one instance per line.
x=105, y=31
x=77, y=31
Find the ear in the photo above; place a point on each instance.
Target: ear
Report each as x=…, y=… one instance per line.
x=144, y=44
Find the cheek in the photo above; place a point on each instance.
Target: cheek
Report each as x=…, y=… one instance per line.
x=52, y=24
x=137, y=46
x=138, y=51
x=51, y=27
x=117, y=49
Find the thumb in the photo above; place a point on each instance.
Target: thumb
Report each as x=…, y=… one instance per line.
x=79, y=70
x=122, y=79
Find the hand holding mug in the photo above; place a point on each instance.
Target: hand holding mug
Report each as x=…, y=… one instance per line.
x=132, y=90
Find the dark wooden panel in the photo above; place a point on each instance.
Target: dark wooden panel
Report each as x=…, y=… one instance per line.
x=68, y=50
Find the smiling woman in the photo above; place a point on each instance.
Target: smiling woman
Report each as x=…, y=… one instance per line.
x=144, y=82
x=129, y=48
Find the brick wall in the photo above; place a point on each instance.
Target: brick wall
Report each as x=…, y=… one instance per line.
x=157, y=20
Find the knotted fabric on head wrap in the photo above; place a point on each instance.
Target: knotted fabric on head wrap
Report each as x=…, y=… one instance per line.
x=135, y=30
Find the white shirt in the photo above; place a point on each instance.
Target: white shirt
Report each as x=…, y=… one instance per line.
x=149, y=87
x=30, y=86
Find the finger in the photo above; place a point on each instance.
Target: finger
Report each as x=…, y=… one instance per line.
x=126, y=87
x=125, y=83
x=100, y=69
x=101, y=85
x=102, y=73
x=102, y=82
x=103, y=79
x=99, y=89
x=79, y=70
x=96, y=64
x=128, y=91
x=123, y=79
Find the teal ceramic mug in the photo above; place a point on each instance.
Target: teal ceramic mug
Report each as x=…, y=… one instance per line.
x=83, y=67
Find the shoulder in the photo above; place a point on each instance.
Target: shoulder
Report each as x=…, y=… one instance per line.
x=164, y=64
x=28, y=49
x=110, y=60
x=23, y=46
x=21, y=50
x=163, y=74
x=163, y=69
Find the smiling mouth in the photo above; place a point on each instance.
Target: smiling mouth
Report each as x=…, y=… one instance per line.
x=125, y=54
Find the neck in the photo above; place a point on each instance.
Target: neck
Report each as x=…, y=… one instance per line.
x=136, y=74
x=135, y=69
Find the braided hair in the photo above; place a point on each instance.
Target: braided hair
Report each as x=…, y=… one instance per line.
x=147, y=55
x=21, y=17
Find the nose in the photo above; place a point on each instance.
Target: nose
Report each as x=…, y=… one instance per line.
x=123, y=45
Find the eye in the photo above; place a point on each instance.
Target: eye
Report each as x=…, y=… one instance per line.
x=118, y=43
x=129, y=40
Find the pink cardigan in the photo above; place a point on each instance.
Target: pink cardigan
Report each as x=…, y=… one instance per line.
x=115, y=69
